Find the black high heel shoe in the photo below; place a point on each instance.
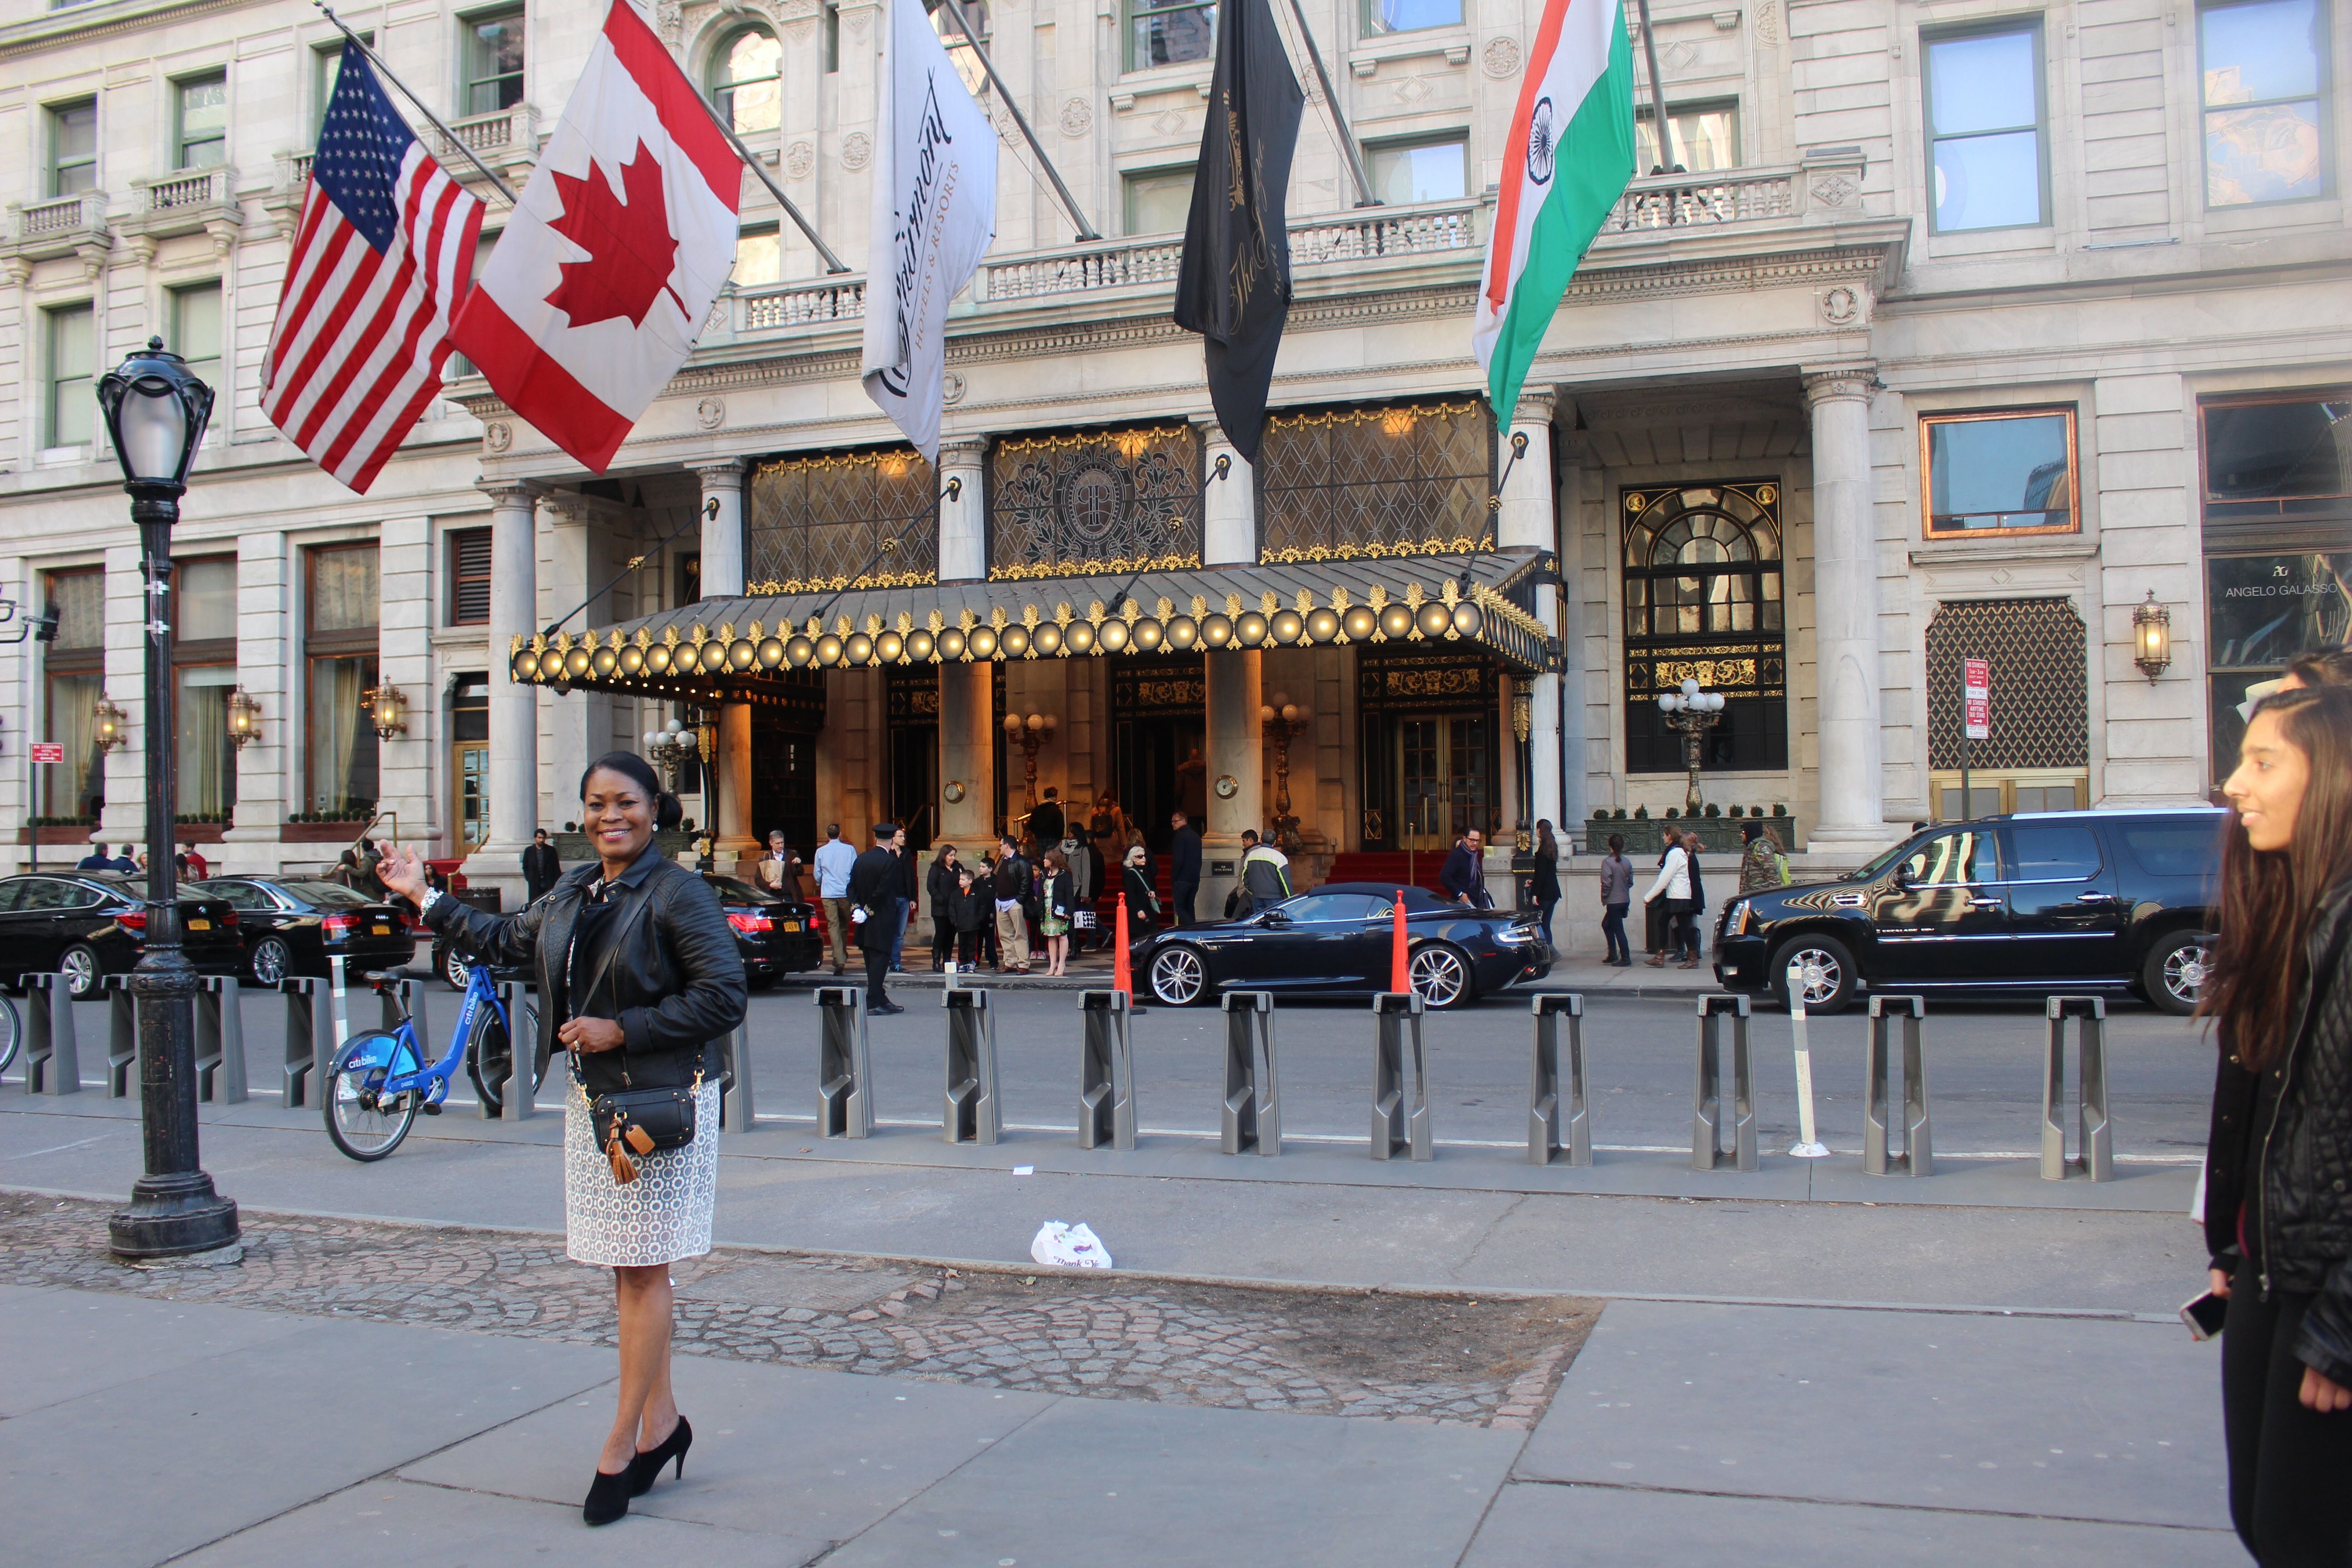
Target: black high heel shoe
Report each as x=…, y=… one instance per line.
x=646, y=1468
x=608, y=1497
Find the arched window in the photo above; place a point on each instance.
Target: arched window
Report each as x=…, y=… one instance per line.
x=1702, y=598
x=746, y=79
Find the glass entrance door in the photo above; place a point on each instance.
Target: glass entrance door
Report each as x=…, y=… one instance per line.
x=1443, y=788
x=473, y=760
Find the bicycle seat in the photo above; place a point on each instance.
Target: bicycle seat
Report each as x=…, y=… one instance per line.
x=381, y=979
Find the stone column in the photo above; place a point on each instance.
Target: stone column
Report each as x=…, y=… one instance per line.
x=722, y=533
x=738, y=836
x=1236, y=750
x=1565, y=603
x=963, y=516
x=513, y=707
x=967, y=757
x=1228, y=505
x=1845, y=613
x=722, y=578
x=1529, y=521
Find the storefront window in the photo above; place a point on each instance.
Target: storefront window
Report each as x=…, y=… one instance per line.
x=856, y=519
x=2279, y=458
x=2261, y=611
x=1408, y=479
x=340, y=647
x=203, y=661
x=1703, y=600
x=1999, y=473
x=74, y=681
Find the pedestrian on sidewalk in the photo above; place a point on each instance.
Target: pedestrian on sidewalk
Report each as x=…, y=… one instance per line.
x=940, y=884
x=778, y=870
x=2278, y=1219
x=834, y=859
x=908, y=883
x=1266, y=873
x=975, y=912
x=1543, y=886
x=1055, y=900
x=541, y=866
x=1183, y=867
x=1142, y=897
x=1465, y=876
x=1011, y=881
x=1762, y=867
x=1674, y=888
x=1616, y=898
x=1687, y=927
x=874, y=909
x=638, y=982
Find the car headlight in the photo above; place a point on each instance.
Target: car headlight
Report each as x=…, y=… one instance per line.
x=1736, y=922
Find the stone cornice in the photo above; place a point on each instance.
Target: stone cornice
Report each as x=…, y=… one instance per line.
x=81, y=22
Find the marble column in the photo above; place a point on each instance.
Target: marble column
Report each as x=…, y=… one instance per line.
x=722, y=578
x=1566, y=603
x=963, y=516
x=513, y=707
x=722, y=532
x=1529, y=521
x=1845, y=613
x=967, y=757
x=1236, y=751
x=1228, y=505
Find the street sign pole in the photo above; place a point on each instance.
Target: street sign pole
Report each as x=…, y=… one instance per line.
x=37, y=755
x=1976, y=723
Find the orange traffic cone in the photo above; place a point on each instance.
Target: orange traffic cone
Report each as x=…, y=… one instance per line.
x=1400, y=980
x=1121, y=977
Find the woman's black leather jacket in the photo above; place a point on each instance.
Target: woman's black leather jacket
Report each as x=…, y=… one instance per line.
x=672, y=976
x=2301, y=1220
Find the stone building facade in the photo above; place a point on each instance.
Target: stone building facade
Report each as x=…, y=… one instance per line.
x=1972, y=329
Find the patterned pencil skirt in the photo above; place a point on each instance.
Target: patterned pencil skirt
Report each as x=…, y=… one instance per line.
x=660, y=1217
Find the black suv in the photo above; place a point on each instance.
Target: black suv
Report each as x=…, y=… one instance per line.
x=2075, y=901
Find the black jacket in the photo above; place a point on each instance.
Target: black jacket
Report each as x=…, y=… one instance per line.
x=976, y=910
x=1185, y=859
x=877, y=881
x=672, y=975
x=1545, y=884
x=1011, y=878
x=1047, y=823
x=1465, y=876
x=940, y=889
x=540, y=867
x=2302, y=1217
x=1056, y=892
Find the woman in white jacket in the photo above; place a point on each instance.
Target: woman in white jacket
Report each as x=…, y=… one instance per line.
x=1673, y=884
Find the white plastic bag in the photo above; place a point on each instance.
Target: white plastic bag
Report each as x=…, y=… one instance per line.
x=1059, y=1245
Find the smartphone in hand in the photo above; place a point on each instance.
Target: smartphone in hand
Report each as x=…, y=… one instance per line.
x=2204, y=1315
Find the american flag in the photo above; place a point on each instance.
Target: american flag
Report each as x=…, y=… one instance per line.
x=381, y=263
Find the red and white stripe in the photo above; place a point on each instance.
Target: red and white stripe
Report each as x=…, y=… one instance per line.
x=360, y=340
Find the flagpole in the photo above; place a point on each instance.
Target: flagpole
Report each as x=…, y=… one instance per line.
x=1086, y=230
x=447, y=135
x=750, y=161
x=1346, y=138
x=1657, y=95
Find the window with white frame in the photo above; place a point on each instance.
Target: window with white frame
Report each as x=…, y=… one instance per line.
x=201, y=121
x=1159, y=201
x=196, y=326
x=73, y=374
x=1425, y=169
x=73, y=147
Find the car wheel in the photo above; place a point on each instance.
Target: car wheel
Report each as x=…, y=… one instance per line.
x=1179, y=976
x=1828, y=973
x=454, y=969
x=80, y=966
x=272, y=960
x=1439, y=974
x=2176, y=971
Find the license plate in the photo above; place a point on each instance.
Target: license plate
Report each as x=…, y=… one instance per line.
x=200, y=925
x=792, y=925
x=381, y=931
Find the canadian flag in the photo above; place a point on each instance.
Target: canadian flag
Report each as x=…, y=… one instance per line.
x=620, y=243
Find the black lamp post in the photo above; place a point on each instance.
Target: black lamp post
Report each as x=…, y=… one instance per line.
x=155, y=413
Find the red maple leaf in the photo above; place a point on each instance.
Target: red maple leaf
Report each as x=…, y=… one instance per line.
x=631, y=252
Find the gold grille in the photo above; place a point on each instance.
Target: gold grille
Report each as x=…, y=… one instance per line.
x=2041, y=694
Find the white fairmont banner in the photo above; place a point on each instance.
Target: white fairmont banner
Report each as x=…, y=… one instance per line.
x=616, y=251
x=934, y=215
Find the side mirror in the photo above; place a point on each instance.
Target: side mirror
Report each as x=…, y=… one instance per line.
x=1903, y=878
x=1275, y=920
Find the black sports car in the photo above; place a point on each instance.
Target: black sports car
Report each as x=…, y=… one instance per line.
x=85, y=925
x=1338, y=941
x=295, y=925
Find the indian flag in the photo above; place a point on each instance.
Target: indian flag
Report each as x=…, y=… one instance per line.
x=1570, y=154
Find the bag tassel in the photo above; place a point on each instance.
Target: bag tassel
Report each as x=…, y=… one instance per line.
x=625, y=1169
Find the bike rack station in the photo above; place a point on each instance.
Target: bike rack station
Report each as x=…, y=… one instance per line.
x=1917, y=1158
x=52, y=1059
x=1400, y=1081
x=971, y=1113
x=735, y=1110
x=310, y=1039
x=2094, y=1145
x=1105, y=1071
x=1548, y=1130
x=220, y=1040
x=518, y=1096
x=122, y=1034
x=845, y=1068
x=1253, y=1109
x=1707, y=1100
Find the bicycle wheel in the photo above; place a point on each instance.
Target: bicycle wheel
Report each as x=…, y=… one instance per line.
x=487, y=1053
x=364, y=1122
x=12, y=1032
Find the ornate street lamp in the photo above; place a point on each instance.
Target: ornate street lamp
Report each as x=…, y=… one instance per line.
x=1282, y=721
x=244, y=717
x=1030, y=735
x=2151, y=637
x=155, y=413
x=387, y=707
x=1691, y=713
x=668, y=747
x=111, y=721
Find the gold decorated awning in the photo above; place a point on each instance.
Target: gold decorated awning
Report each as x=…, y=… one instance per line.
x=716, y=650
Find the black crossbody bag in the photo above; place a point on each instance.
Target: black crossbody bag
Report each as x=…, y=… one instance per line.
x=633, y=1120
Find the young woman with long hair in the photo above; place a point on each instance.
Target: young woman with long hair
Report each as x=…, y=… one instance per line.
x=2278, y=1215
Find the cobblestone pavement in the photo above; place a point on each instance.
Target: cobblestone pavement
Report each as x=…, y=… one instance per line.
x=1448, y=1359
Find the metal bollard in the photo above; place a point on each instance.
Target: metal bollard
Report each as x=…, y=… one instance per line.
x=2094, y=1147
x=1253, y=1118
x=122, y=1034
x=310, y=1039
x=1706, y=1105
x=220, y=1040
x=1399, y=1086
x=1547, y=1129
x=52, y=1060
x=735, y=1111
x=1918, y=1158
x=518, y=1096
x=1105, y=1071
x=971, y=1113
x=845, y=1070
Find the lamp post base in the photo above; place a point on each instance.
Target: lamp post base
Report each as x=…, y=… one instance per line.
x=172, y=1215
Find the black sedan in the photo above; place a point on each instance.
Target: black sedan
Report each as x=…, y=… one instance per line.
x=1339, y=940
x=296, y=925
x=85, y=925
x=776, y=933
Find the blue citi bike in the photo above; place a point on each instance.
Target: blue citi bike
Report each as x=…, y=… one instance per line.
x=380, y=1081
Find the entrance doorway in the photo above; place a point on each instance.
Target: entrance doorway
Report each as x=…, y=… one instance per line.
x=1444, y=786
x=783, y=759
x=1158, y=709
x=469, y=761
x=913, y=744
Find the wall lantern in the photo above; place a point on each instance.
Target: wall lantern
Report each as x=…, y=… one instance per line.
x=389, y=708
x=2151, y=637
x=111, y=721
x=244, y=717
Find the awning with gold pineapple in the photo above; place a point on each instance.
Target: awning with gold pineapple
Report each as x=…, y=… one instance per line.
x=718, y=648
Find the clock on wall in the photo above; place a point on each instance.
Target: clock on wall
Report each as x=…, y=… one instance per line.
x=1227, y=787
x=954, y=792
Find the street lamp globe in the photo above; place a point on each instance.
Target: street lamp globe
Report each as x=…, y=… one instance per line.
x=155, y=410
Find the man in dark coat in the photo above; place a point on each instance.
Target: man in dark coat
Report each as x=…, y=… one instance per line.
x=1465, y=876
x=1184, y=866
x=1046, y=823
x=874, y=882
x=540, y=867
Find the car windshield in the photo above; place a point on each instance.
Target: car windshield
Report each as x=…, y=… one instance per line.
x=327, y=895
x=733, y=891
